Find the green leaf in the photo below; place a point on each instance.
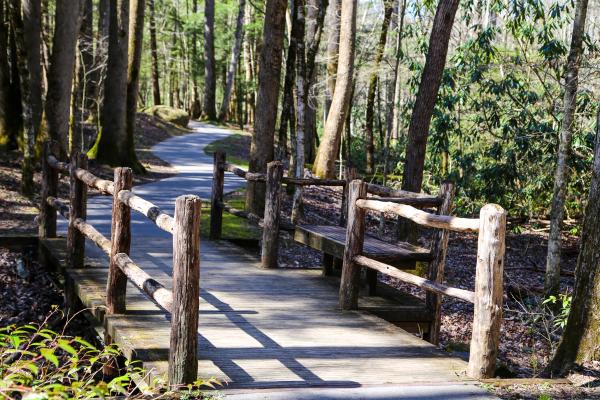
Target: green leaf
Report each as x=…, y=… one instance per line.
x=49, y=355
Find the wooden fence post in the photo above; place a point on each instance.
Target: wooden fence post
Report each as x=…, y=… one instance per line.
x=47, y=220
x=437, y=265
x=487, y=316
x=270, y=237
x=183, y=356
x=77, y=209
x=216, y=201
x=120, y=243
x=355, y=237
x=351, y=174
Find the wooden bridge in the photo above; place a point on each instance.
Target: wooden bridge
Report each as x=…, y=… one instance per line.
x=253, y=327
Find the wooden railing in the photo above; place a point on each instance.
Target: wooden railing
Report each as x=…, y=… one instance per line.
x=271, y=224
x=487, y=297
x=183, y=300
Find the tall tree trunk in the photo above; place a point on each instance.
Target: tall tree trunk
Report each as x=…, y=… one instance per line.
x=426, y=96
x=561, y=175
x=154, y=54
x=210, y=77
x=60, y=74
x=5, y=111
x=32, y=32
x=196, y=110
x=112, y=145
x=333, y=45
x=581, y=341
x=86, y=50
x=235, y=56
x=15, y=109
x=397, y=82
x=136, y=35
x=269, y=74
x=324, y=166
x=373, y=79
x=249, y=68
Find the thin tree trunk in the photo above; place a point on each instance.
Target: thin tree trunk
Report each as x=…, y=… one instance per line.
x=373, y=80
x=324, y=166
x=86, y=50
x=397, y=82
x=581, y=342
x=561, y=175
x=426, y=96
x=14, y=108
x=32, y=24
x=249, y=68
x=60, y=74
x=112, y=144
x=235, y=56
x=28, y=124
x=5, y=112
x=269, y=74
x=154, y=55
x=333, y=43
x=210, y=77
x=136, y=35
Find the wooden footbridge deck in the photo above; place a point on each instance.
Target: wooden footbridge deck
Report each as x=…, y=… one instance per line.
x=187, y=309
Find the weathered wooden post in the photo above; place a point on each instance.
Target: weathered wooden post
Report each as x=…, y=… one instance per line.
x=355, y=236
x=216, y=201
x=120, y=243
x=437, y=265
x=270, y=237
x=47, y=220
x=351, y=174
x=487, y=316
x=77, y=209
x=183, y=357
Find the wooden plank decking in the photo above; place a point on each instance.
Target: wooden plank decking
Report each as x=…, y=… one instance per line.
x=264, y=328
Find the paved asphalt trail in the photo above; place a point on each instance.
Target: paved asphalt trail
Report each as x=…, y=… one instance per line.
x=195, y=168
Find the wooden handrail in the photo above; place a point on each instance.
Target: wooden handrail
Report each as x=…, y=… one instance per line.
x=423, y=283
x=384, y=191
x=421, y=217
x=58, y=165
x=92, y=233
x=59, y=205
x=418, y=202
x=312, y=182
x=161, y=219
x=249, y=176
x=105, y=186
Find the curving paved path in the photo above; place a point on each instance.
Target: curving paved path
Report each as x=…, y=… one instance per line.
x=195, y=169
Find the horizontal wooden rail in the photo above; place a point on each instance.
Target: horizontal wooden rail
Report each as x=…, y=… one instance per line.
x=249, y=176
x=243, y=214
x=60, y=205
x=91, y=233
x=384, y=191
x=93, y=181
x=161, y=219
x=423, y=283
x=312, y=182
x=421, y=217
x=419, y=202
x=58, y=165
x=154, y=289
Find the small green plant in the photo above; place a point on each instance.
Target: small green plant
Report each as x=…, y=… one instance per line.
x=544, y=396
x=564, y=300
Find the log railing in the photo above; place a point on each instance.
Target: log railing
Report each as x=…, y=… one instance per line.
x=487, y=297
x=183, y=300
x=271, y=224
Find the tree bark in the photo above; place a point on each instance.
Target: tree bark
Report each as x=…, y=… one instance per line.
x=86, y=49
x=324, y=166
x=561, y=175
x=397, y=82
x=235, y=56
x=32, y=32
x=112, y=144
x=333, y=43
x=136, y=35
x=210, y=77
x=60, y=74
x=154, y=54
x=373, y=80
x=261, y=149
x=426, y=96
x=5, y=112
x=249, y=69
x=580, y=341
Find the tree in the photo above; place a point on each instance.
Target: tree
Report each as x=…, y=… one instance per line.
x=580, y=341
x=324, y=166
x=373, y=82
x=210, y=79
x=397, y=82
x=333, y=43
x=112, y=139
x=5, y=126
x=269, y=74
x=431, y=78
x=561, y=175
x=32, y=35
x=86, y=50
x=60, y=74
x=136, y=34
x=154, y=54
x=235, y=56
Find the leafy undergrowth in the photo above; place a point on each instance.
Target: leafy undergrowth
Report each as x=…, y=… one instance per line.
x=233, y=228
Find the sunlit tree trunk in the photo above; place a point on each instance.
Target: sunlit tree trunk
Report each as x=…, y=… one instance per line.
x=154, y=55
x=249, y=68
x=333, y=41
x=561, y=175
x=431, y=79
x=398, y=82
x=235, y=56
x=324, y=166
x=210, y=77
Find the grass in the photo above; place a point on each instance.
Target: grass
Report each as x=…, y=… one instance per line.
x=236, y=146
x=233, y=227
